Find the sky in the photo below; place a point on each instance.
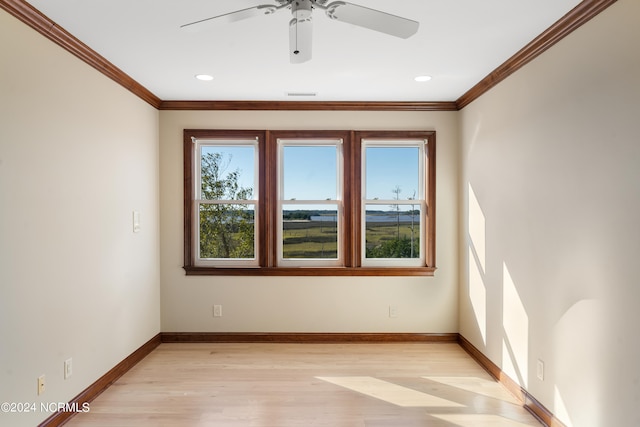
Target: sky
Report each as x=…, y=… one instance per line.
x=238, y=157
x=388, y=168
x=310, y=172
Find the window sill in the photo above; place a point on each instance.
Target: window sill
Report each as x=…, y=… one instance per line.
x=310, y=271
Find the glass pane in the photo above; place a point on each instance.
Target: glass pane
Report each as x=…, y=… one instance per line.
x=227, y=231
x=392, y=231
x=310, y=172
x=309, y=232
x=227, y=172
x=392, y=173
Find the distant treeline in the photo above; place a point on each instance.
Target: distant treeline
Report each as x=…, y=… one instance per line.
x=299, y=215
x=308, y=214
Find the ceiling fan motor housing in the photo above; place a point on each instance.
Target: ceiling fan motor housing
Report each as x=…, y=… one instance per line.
x=301, y=9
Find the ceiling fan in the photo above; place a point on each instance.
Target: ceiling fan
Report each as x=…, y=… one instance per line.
x=300, y=27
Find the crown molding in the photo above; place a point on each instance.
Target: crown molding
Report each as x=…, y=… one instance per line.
x=45, y=26
x=578, y=16
x=575, y=18
x=309, y=105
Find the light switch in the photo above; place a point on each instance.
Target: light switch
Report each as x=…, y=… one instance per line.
x=136, y=221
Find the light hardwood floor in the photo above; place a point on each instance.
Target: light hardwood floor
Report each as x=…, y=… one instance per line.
x=284, y=385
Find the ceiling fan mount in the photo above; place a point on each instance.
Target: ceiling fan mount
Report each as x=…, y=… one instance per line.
x=300, y=26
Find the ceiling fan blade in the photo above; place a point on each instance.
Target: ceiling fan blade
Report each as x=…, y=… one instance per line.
x=300, y=40
x=238, y=15
x=372, y=19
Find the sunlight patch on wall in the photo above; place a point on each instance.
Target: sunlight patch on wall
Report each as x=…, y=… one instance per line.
x=580, y=361
x=515, y=344
x=478, y=296
x=392, y=393
x=560, y=409
x=477, y=228
x=477, y=263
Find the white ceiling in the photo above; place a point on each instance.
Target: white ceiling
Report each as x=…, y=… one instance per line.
x=459, y=42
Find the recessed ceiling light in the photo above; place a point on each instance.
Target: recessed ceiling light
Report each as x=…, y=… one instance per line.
x=422, y=78
x=204, y=77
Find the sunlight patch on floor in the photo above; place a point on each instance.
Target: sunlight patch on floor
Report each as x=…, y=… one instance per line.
x=481, y=420
x=389, y=392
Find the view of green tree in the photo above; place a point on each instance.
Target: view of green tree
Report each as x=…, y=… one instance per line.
x=395, y=248
x=226, y=229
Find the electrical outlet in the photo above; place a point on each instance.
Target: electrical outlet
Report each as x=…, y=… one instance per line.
x=41, y=384
x=217, y=310
x=540, y=370
x=68, y=368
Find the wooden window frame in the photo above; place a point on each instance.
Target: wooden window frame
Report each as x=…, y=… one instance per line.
x=199, y=146
x=416, y=143
x=267, y=203
x=286, y=138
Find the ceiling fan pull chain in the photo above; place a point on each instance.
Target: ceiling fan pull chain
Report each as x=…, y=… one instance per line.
x=296, y=51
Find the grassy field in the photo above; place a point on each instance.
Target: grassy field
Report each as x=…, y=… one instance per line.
x=315, y=239
x=310, y=239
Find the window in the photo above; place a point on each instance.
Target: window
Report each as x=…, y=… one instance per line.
x=225, y=201
x=309, y=202
x=310, y=209
x=393, y=202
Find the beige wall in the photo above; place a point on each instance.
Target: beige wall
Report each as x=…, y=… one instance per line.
x=78, y=153
x=551, y=193
x=308, y=304
x=540, y=175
